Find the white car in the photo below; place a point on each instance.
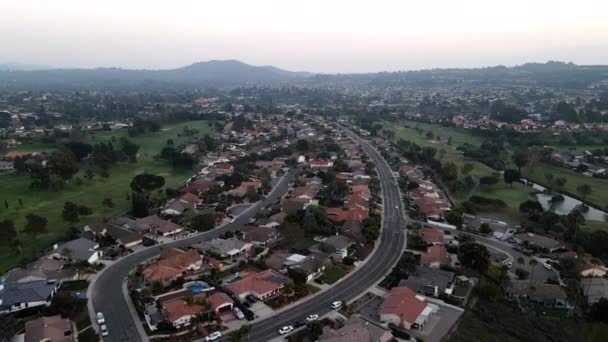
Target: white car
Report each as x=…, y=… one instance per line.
x=238, y=313
x=104, y=330
x=336, y=305
x=313, y=317
x=231, y=220
x=100, y=319
x=285, y=330
x=213, y=336
x=396, y=207
x=547, y=266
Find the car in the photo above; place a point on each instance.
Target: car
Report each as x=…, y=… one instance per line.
x=285, y=330
x=547, y=266
x=251, y=298
x=336, y=305
x=213, y=336
x=238, y=313
x=100, y=319
x=104, y=330
x=231, y=220
x=312, y=317
x=396, y=207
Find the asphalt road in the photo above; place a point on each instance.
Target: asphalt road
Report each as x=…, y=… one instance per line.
x=387, y=254
x=107, y=294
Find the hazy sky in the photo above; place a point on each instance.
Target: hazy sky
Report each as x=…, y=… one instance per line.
x=312, y=35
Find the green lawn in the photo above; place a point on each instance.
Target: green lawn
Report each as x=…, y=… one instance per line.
x=90, y=193
x=599, y=196
x=511, y=195
x=333, y=273
x=595, y=225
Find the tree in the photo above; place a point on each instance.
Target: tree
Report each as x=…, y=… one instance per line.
x=129, y=148
x=584, y=190
x=35, y=224
x=599, y=311
x=454, y=217
x=79, y=150
x=521, y=158
x=531, y=207
x=549, y=178
x=8, y=233
x=89, y=174
x=252, y=194
x=488, y=180
x=449, y=171
x=467, y=168
x=203, y=222
x=147, y=182
x=485, y=228
x=521, y=273
x=298, y=275
x=560, y=182
x=70, y=212
x=107, y=202
x=63, y=165
x=9, y=327
x=474, y=255
x=511, y=175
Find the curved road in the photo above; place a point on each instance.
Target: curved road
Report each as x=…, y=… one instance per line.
x=387, y=254
x=107, y=295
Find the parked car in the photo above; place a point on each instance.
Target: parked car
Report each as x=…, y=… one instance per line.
x=251, y=298
x=100, y=319
x=104, y=330
x=213, y=336
x=285, y=330
x=238, y=313
x=312, y=317
x=336, y=305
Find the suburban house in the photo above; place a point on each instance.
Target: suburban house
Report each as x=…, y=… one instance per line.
x=293, y=205
x=178, y=206
x=435, y=257
x=262, y=285
x=172, y=264
x=49, y=329
x=180, y=311
x=225, y=248
x=320, y=164
x=312, y=265
x=537, y=292
x=6, y=167
x=155, y=224
x=44, y=269
x=430, y=281
x=432, y=236
x=221, y=168
x=19, y=296
x=80, y=249
x=594, y=289
x=403, y=308
x=121, y=235
x=357, y=329
x=337, y=245
x=541, y=242
x=260, y=236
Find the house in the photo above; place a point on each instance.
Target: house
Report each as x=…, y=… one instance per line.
x=191, y=150
x=80, y=249
x=185, y=202
x=262, y=285
x=591, y=267
x=337, y=245
x=430, y=281
x=49, y=329
x=172, y=264
x=221, y=169
x=541, y=242
x=293, y=205
x=403, y=308
x=6, y=167
x=312, y=265
x=537, y=292
x=594, y=289
x=304, y=192
x=225, y=248
x=155, y=224
x=320, y=164
x=432, y=236
x=356, y=329
x=180, y=311
x=122, y=236
x=44, y=269
x=19, y=296
x=260, y=236
x=435, y=256
x=198, y=186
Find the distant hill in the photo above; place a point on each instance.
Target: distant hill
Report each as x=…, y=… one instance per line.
x=211, y=73
x=21, y=66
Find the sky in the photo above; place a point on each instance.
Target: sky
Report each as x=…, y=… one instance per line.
x=327, y=36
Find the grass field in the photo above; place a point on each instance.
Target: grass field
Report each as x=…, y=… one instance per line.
x=511, y=195
x=333, y=273
x=90, y=193
x=598, y=197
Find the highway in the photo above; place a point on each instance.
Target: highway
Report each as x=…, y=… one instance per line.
x=107, y=294
x=391, y=243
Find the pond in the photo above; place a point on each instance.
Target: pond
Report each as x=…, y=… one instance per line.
x=564, y=207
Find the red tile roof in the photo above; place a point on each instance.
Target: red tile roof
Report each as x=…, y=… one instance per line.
x=435, y=254
x=258, y=283
x=172, y=264
x=432, y=235
x=403, y=303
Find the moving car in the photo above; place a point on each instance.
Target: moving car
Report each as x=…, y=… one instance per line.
x=336, y=305
x=104, y=330
x=312, y=317
x=213, y=336
x=100, y=319
x=286, y=329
